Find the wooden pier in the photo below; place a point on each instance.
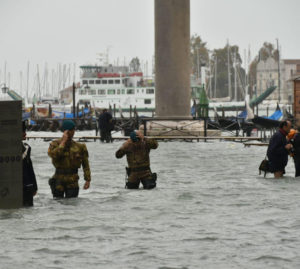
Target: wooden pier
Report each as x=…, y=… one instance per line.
x=159, y=138
x=256, y=144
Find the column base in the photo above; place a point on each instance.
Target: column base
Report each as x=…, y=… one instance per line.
x=177, y=128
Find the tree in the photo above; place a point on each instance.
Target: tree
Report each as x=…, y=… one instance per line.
x=134, y=65
x=267, y=51
x=252, y=74
x=219, y=60
x=199, y=54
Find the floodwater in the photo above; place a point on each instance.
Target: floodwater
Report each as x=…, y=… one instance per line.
x=211, y=209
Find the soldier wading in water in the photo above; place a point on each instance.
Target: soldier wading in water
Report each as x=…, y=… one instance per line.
x=137, y=150
x=67, y=156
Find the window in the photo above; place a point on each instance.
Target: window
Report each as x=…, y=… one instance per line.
x=82, y=92
x=118, y=91
x=130, y=91
x=91, y=81
x=147, y=101
x=101, y=92
x=98, y=81
x=117, y=81
x=137, y=91
x=104, y=81
x=92, y=92
x=111, y=91
x=110, y=81
x=149, y=91
x=84, y=82
x=123, y=91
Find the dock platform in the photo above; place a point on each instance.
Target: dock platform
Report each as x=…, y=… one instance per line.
x=159, y=138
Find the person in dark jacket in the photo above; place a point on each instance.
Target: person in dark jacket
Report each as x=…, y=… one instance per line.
x=295, y=140
x=29, y=181
x=105, y=126
x=278, y=149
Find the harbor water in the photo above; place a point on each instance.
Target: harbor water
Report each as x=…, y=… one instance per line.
x=210, y=209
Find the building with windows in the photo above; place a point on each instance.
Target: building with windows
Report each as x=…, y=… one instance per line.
x=109, y=86
x=267, y=74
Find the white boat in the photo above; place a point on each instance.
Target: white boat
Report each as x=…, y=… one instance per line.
x=109, y=86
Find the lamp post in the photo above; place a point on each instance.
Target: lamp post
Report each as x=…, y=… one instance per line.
x=4, y=88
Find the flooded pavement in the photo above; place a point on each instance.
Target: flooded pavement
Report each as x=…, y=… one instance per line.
x=211, y=209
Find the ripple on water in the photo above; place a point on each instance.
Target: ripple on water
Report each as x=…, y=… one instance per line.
x=271, y=258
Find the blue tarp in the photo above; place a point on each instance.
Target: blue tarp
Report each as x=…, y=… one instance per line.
x=57, y=115
x=243, y=114
x=193, y=111
x=25, y=115
x=60, y=115
x=276, y=115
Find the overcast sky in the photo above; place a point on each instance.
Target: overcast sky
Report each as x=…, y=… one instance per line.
x=74, y=31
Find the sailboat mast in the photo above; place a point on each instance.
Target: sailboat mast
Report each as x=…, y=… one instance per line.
x=39, y=83
x=245, y=60
x=5, y=74
x=21, y=93
x=229, y=75
x=235, y=78
x=8, y=83
x=27, y=86
x=216, y=62
x=278, y=72
x=74, y=72
x=209, y=88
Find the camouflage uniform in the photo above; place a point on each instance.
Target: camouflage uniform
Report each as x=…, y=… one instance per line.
x=137, y=154
x=67, y=159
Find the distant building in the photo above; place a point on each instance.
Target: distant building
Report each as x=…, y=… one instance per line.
x=296, y=84
x=267, y=75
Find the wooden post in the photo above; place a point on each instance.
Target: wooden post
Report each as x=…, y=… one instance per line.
x=73, y=92
x=205, y=128
x=77, y=110
x=130, y=111
x=49, y=111
x=33, y=111
x=145, y=127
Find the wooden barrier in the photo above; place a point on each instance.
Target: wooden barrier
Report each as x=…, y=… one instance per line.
x=161, y=138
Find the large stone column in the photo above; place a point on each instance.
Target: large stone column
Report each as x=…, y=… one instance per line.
x=172, y=58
